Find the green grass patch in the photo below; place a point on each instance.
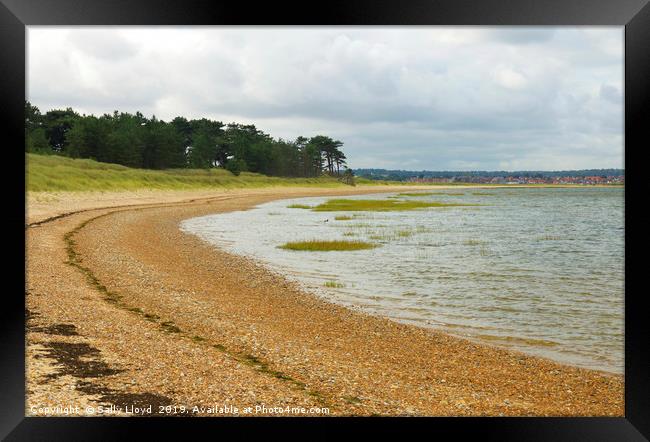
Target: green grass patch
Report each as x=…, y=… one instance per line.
x=343, y=218
x=298, y=206
x=346, y=205
x=50, y=173
x=327, y=246
x=333, y=285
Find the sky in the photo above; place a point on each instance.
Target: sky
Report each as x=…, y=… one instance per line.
x=412, y=98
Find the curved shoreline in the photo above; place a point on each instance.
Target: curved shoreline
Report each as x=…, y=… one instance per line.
x=318, y=276
x=185, y=308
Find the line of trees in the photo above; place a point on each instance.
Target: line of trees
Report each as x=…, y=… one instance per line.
x=136, y=141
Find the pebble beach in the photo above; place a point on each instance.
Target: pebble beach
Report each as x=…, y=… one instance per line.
x=126, y=310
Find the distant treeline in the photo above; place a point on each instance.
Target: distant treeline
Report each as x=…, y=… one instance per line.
x=136, y=141
x=404, y=175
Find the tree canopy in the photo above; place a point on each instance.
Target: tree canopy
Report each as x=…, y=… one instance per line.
x=136, y=141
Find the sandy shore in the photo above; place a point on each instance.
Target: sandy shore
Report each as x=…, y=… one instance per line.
x=125, y=309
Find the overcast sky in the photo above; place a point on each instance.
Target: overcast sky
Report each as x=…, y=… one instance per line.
x=437, y=98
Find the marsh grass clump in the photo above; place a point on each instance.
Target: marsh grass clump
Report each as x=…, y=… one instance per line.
x=359, y=225
x=298, y=206
x=381, y=232
x=473, y=242
x=327, y=246
x=346, y=205
x=389, y=235
x=343, y=218
x=333, y=285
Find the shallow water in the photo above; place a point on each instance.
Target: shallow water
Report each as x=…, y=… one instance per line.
x=538, y=270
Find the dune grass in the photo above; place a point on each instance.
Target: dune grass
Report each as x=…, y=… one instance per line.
x=327, y=246
x=298, y=206
x=345, y=205
x=52, y=173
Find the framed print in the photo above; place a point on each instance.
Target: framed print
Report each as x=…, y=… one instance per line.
x=392, y=215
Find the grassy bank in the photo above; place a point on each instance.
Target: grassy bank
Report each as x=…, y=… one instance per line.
x=53, y=173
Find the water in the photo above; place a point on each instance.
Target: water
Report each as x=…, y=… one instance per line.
x=538, y=270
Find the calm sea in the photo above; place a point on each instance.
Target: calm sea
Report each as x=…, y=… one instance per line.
x=538, y=270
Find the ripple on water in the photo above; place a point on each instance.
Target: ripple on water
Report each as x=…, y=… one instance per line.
x=539, y=270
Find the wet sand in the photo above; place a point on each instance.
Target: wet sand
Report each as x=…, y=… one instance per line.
x=125, y=309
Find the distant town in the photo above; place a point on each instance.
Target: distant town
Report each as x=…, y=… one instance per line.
x=586, y=176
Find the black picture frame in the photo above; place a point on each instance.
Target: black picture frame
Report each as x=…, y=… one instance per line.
x=634, y=15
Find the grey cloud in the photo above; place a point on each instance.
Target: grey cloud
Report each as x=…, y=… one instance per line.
x=610, y=93
x=521, y=35
x=102, y=44
x=419, y=97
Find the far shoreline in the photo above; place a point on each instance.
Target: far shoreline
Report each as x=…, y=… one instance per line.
x=41, y=205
